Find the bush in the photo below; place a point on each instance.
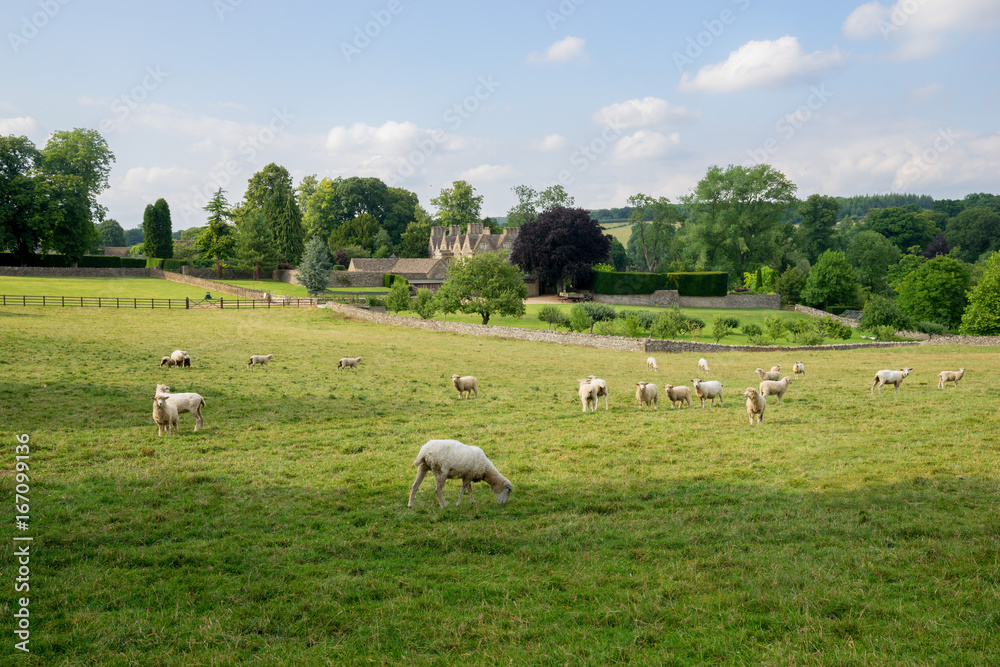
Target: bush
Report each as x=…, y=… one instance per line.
x=931, y=328
x=374, y=301
x=339, y=267
x=799, y=327
x=605, y=328
x=423, y=304
x=579, y=320
x=173, y=265
x=811, y=337
x=790, y=284
x=632, y=328
x=699, y=283
x=721, y=328
x=669, y=323
x=552, y=315
x=133, y=263
x=831, y=328
x=100, y=262
x=399, y=298
x=880, y=311
x=154, y=263
x=598, y=312
x=729, y=321
x=646, y=318
x=753, y=332
x=390, y=279
x=885, y=333
x=775, y=327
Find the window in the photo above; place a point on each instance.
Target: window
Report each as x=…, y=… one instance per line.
x=506, y=245
x=484, y=246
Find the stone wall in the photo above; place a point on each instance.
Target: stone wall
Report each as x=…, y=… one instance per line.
x=210, y=274
x=671, y=346
x=963, y=340
x=822, y=313
x=337, y=278
x=664, y=298
x=210, y=285
x=50, y=272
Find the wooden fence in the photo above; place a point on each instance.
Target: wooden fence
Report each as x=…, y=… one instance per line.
x=126, y=302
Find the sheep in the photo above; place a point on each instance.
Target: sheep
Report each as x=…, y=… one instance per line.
x=449, y=459
x=164, y=414
x=775, y=369
x=647, y=394
x=774, y=388
x=709, y=390
x=602, y=388
x=755, y=405
x=260, y=359
x=678, y=395
x=799, y=369
x=349, y=362
x=651, y=364
x=588, y=394
x=703, y=366
x=890, y=377
x=187, y=361
x=181, y=358
x=950, y=376
x=186, y=402
x=168, y=362
x=466, y=385
x=768, y=375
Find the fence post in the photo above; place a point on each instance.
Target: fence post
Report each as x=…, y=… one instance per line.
x=187, y=303
x=221, y=304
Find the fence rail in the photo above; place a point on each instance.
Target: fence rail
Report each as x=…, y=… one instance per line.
x=135, y=302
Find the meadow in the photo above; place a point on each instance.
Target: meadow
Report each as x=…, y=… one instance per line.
x=847, y=529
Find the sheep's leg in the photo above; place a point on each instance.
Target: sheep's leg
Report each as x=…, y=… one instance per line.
x=197, y=419
x=421, y=472
x=442, y=477
x=605, y=401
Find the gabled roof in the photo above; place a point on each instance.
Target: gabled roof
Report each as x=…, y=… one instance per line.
x=373, y=265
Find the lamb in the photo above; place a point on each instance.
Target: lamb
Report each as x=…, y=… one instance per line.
x=703, y=366
x=602, y=388
x=890, y=377
x=768, y=375
x=466, y=385
x=709, y=390
x=449, y=459
x=950, y=376
x=755, y=405
x=775, y=388
x=348, y=362
x=168, y=362
x=164, y=414
x=181, y=358
x=678, y=395
x=186, y=402
x=647, y=394
x=260, y=359
x=651, y=364
x=798, y=369
x=588, y=394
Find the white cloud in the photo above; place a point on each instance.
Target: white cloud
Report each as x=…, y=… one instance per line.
x=763, y=64
x=486, y=173
x=552, y=142
x=645, y=145
x=926, y=93
x=647, y=112
x=138, y=179
x=17, y=126
x=565, y=50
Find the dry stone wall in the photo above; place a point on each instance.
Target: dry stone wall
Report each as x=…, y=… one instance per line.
x=670, y=298
x=210, y=285
x=52, y=272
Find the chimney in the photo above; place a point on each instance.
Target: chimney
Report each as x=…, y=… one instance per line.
x=475, y=228
x=454, y=230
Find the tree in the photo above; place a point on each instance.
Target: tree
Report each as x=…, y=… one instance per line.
x=526, y=208
x=653, y=227
x=382, y=244
x=458, y=205
x=22, y=230
x=156, y=230
x=62, y=205
x=982, y=317
x=871, y=255
x=416, y=239
x=880, y=311
x=423, y=304
x=133, y=236
x=555, y=196
x=84, y=155
x=936, y=292
x=790, y=284
x=561, y=245
x=831, y=280
x=270, y=191
x=112, y=234
x=398, y=299
x=973, y=232
x=939, y=246
x=315, y=265
x=447, y=300
x=486, y=284
x=902, y=227
x=361, y=231
x=255, y=244
x=619, y=256
x=815, y=232
x=218, y=240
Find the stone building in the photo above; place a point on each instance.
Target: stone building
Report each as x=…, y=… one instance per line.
x=446, y=243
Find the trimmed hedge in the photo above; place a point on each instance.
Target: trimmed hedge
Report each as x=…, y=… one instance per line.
x=700, y=283
x=133, y=263
x=100, y=262
x=390, y=279
x=62, y=262
x=341, y=267
x=173, y=265
x=154, y=263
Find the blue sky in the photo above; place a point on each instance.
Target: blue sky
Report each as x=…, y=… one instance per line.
x=608, y=99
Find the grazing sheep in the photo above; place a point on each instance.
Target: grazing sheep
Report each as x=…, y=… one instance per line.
x=768, y=375
x=703, y=366
x=678, y=395
x=775, y=369
x=466, y=385
x=651, y=364
x=261, y=360
x=164, y=414
x=181, y=358
x=755, y=405
x=349, y=362
x=168, y=362
x=186, y=402
x=798, y=369
x=602, y=388
x=709, y=390
x=950, y=376
x=449, y=459
x=187, y=361
x=890, y=377
x=647, y=394
x=775, y=387
x=588, y=394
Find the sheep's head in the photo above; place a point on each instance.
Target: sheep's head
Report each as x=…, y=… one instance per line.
x=503, y=495
x=906, y=371
x=162, y=389
x=750, y=392
x=668, y=387
x=160, y=400
x=696, y=382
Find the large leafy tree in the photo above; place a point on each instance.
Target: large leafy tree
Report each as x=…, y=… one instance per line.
x=112, y=234
x=831, y=280
x=530, y=203
x=654, y=224
x=486, y=284
x=562, y=244
x=270, y=192
x=156, y=230
x=85, y=156
x=973, y=232
x=255, y=248
x=361, y=231
x=936, y=291
x=871, y=255
x=815, y=232
x=458, y=205
x=982, y=316
x=21, y=228
x=415, y=241
x=901, y=226
x=218, y=240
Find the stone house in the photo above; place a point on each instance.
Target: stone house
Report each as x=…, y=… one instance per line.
x=447, y=243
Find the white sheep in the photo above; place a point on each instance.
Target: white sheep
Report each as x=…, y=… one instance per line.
x=588, y=395
x=186, y=402
x=349, y=362
x=168, y=362
x=768, y=375
x=466, y=385
x=774, y=387
x=798, y=369
x=647, y=394
x=449, y=459
x=703, y=366
x=260, y=359
x=708, y=390
x=890, y=377
x=755, y=405
x=164, y=414
x=678, y=395
x=602, y=388
x=950, y=376
x=651, y=364
x=181, y=358
x=775, y=369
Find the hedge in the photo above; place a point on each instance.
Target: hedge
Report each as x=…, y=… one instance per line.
x=133, y=263
x=699, y=283
x=341, y=267
x=62, y=261
x=173, y=265
x=100, y=262
x=390, y=279
x=154, y=263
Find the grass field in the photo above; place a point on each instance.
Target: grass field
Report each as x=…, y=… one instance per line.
x=621, y=231
x=847, y=529
x=290, y=289
x=110, y=287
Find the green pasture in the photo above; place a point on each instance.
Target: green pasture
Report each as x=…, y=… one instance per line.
x=621, y=231
x=111, y=287
x=848, y=528
x=293, y=289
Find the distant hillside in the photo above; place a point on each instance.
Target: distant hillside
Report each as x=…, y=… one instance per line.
x=861, y=204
